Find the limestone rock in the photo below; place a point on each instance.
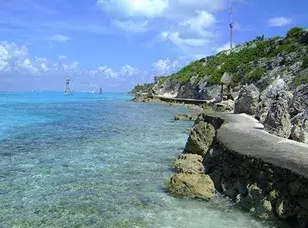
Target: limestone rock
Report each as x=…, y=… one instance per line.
x=278, y=121
x=277, y=87
x=192, y=185
x=198, y=88
x=200, y=139
x=185, y=117
x=224, y=106
x=169, y=88
x=264, y=209
x=299, y=102
x=285, y=208
x=188, y=163
x=247, y=100
x=299, y=131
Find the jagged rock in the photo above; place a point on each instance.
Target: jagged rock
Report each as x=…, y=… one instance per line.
x=285, y=208
x=278, y=121
x=197, y=88
x=200, y=139
x=169, y=88
x=277, y=87
x=224, y=106
x=299, y=102
x=247, y=101
x=299, y=131
x=188, y=163
x=185, y=117
x=192, y=185
x=264, y=209
x=252, y=199
x=304, y=38
x=302, y=217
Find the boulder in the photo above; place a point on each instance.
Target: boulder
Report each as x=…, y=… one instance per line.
x=278, y=121
x=168, y=88
x=188, y=163
x=200, y=139
x=277, y=87
x=299, y=131
x=299, y=102
x=247, y=100
x=185, y=117
x=192, y=185
x=224, y=106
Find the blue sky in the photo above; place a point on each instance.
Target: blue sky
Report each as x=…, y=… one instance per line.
x=116, y=44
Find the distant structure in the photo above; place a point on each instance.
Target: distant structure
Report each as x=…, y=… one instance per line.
x=156, y=77
x=226, y=78
x=100, y=90
x=67, y=87
x=231, y=26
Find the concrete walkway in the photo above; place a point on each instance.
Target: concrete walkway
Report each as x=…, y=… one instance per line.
x=245, y=135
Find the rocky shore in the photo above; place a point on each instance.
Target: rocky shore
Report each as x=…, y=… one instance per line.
x=233, y=154
x=253, y=149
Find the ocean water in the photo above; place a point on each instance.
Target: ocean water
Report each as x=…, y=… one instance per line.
x=92, y=160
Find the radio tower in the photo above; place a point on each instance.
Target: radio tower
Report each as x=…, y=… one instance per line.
x=231, y=26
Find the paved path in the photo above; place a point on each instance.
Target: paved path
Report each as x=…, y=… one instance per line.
x=245, y=135
x=184, y=100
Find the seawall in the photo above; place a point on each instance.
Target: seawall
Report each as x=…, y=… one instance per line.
x=144, y=97
x=262, y=173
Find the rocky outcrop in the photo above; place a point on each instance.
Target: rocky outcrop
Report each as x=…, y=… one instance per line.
x=247, y=100
x=277, y=88
x=192, y=185
x=299, y=130
x=278, y=121
x=299, y=101
x=185, y=117
x=200, y=139
x=168, y=88
x=260, y=172
x=188, y=163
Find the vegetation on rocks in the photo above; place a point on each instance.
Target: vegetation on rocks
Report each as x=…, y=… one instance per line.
x=245, y=61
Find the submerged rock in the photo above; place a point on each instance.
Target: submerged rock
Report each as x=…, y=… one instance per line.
x=200, y=139
x=185, y=117
x=192, y=185
x=188, y=163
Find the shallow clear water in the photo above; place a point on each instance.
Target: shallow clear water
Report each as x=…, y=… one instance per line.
x=97, y=161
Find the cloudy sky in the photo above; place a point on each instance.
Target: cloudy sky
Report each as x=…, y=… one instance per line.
x=116, y=44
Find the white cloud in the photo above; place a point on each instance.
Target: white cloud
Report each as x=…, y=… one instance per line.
x=132, y=26
x=128, y=70
x=279, y=22
x=16, y=65
x=134, y=8
x=201, y=21
x=188, y=25
x=166, y=66
x=224, y=47
x=158, y=8
x=60, y=38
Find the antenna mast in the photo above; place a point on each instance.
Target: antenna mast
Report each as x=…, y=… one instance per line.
x=231, y=26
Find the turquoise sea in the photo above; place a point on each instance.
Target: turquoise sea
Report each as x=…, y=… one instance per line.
x=91, y=160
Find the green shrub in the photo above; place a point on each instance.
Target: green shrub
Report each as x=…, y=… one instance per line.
x=302, y=79
x=256, y=74
x=239, y=63
x=305, y=63
x=295, y=33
